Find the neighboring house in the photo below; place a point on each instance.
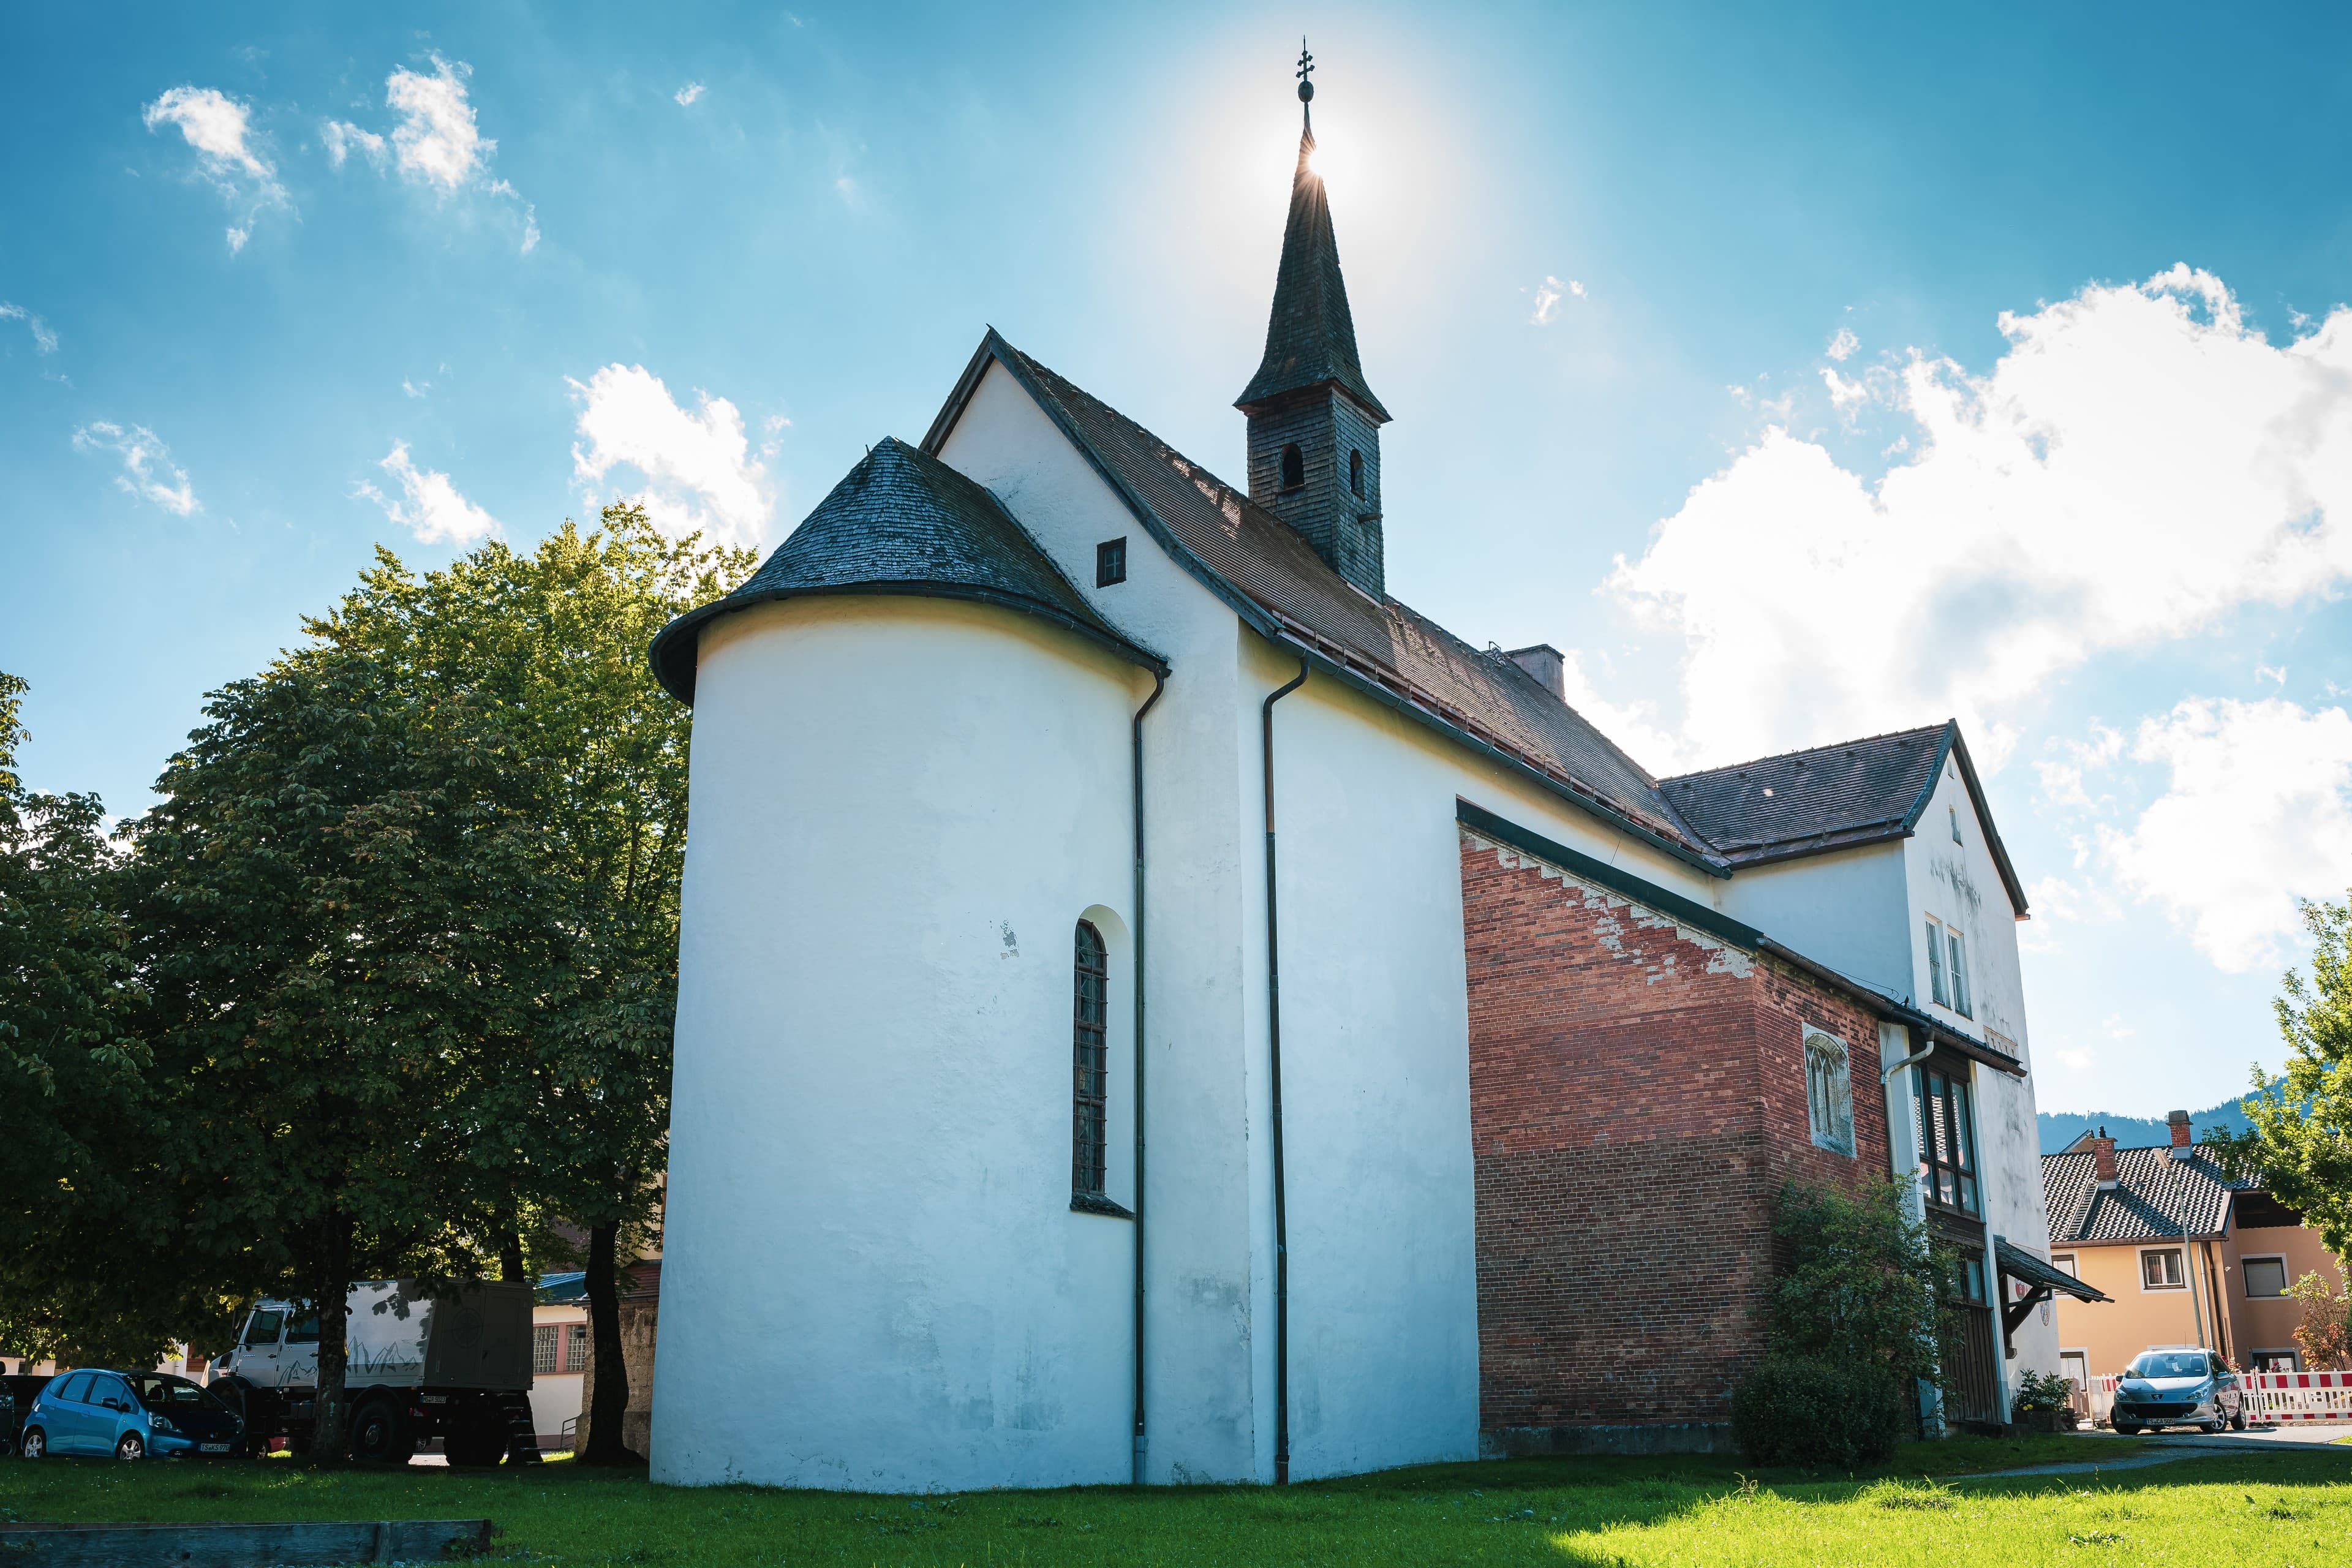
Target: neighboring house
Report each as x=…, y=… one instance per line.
x=2188, y=1256
x=1048, y=792
x=559, y=1333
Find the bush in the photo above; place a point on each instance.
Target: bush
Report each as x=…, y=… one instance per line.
x=2041, y=1391
x=1820, y=1415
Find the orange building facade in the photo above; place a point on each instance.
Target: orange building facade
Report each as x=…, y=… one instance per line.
x=2188, y=1256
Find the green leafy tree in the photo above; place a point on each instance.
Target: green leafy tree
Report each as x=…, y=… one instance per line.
x=342, y=905
x=2299, y=1142
x=94, y=1265
x=551, y=646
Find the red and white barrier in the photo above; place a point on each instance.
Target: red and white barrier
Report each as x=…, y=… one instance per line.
x=2270, y=1397
x=2299, y=1395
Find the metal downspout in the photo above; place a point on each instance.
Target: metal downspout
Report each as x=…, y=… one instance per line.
x=1273, y=1062
x=1158, y=685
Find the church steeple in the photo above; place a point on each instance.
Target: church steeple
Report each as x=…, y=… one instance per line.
x=1314, y=423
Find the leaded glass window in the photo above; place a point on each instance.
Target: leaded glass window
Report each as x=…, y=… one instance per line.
x=1829, y=1091
x=1090, y=988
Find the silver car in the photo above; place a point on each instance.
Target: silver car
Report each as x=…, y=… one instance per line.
x=2179, y=1388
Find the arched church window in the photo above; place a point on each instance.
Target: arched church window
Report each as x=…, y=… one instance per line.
x=1090, y=1011
x=1294, y=469
x=1829, y=1091
x=1356, y=472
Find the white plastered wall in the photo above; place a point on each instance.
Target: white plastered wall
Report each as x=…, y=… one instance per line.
x=1375, y=1020
x=901, y=807
x=1961, y=885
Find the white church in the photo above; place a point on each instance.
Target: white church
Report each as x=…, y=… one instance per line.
x=1154, y=1007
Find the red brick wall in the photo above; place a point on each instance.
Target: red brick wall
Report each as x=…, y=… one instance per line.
x=1636, y=1099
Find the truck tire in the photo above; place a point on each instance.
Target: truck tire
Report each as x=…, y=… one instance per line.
x=379, y=1435
x=474, y=1440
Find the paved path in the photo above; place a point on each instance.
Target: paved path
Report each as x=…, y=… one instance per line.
x=2161, y=1449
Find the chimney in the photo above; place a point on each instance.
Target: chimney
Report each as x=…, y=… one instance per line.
x=2178, y=1124
x=1546, y=663
x=2103, y=1159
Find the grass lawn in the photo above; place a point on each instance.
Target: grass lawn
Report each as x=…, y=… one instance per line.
x=2285, y=1509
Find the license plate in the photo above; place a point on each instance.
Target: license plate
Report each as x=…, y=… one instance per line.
x=212, y=1447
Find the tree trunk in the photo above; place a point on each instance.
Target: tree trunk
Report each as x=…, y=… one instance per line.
x=330, y=1435
x=608, y=1400
x=511, y=1256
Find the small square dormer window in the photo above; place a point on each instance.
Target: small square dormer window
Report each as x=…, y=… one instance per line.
x=1110, y=562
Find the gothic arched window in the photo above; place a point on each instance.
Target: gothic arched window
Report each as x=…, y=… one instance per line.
x=1829, y=1091
x=1294, y=469
x=1356, y=472
x=1090, y=1017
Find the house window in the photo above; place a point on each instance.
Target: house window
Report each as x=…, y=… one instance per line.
x=2265, y=1278
x=575, y=1347
x=1967, y=1281
x=1960, y=966
x=2160, y=1269
x=1936, y=986
x=1829, y=1091
x=546, y=1348
x=1947, y=1156
x=1356, y=472
x=2277, y=1361
x=1956, y=822
x=1090, y=987
x=1294, y=469
x=1110, y=562
x=2064, y=1263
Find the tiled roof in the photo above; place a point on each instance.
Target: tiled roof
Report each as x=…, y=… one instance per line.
x=1823, y=798
x=1310, y=337
x=901, y=522
x=2155, y=1196
x=1280, y=582
x=1831, y=797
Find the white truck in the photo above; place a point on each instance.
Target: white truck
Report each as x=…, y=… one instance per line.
x=456, y=1366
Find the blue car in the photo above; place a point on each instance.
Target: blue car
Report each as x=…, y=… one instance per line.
x=130, y=1414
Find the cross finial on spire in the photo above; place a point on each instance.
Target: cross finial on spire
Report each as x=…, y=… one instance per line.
x=1306, y=75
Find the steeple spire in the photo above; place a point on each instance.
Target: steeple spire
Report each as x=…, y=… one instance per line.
x=1314, y=425
x=1310, y=339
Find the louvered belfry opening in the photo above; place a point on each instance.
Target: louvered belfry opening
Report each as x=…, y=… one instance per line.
x=1314, y=423
x=1089, y=1098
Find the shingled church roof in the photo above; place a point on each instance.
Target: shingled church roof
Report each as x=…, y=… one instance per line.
x=902, y=521
x=1272, y=577
x=1310, y=339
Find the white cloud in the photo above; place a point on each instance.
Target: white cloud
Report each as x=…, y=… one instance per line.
x=1549, y=294
x=437, y=140
x=45, y=338
x=148, y=471
x=415, y=388
x=430, y=507
x=2259, y=810
x=1842, y=346
x=342, y=138
x=700, y=475
x=437, y=144
x=1634, y=726
x=689, y=94
x=220, y=130
x=2137, y=464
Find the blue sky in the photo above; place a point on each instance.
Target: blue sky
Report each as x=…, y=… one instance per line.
x=1804, y=371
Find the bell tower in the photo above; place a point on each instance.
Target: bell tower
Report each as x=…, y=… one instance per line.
x=1314, y=425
